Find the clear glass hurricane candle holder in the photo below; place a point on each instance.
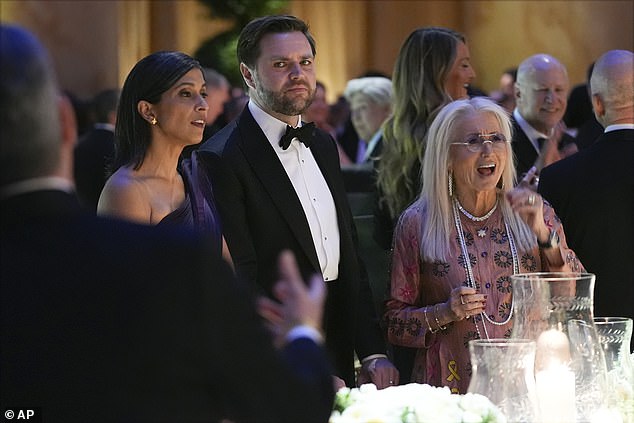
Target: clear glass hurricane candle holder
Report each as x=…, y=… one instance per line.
x=502, y=371
x=555, y=310
x=615, y=334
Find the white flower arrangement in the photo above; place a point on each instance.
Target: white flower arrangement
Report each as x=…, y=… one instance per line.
x=621, y=393
x=412, y=403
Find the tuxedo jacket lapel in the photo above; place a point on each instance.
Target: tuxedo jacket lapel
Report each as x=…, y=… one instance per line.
x=523, y=149
x=268, y=169
x=329, y=170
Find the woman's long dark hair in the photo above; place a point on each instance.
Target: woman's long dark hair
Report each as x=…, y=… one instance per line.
x=148, y=80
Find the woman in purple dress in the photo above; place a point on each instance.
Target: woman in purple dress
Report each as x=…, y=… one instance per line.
x=456, y=247
x=162, y=109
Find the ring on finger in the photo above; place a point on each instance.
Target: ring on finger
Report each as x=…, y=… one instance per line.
x=531, y=199
x=462, y=300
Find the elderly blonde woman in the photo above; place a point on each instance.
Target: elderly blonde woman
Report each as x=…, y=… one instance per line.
x=370, y=100
x=456, y=247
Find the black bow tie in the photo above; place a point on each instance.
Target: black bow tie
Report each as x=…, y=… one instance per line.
x=303, y=133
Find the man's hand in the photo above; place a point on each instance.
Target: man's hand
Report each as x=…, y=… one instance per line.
x=379, y=371
x=298, y=304
x=338, y=383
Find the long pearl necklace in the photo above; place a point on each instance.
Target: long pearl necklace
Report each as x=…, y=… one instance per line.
x=469, y=270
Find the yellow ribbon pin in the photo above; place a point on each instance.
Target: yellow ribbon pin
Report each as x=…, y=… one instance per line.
x=453, y=369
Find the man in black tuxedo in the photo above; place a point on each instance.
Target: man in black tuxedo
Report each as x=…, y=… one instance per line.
x=104, y=320
x=593, y=190
x=541, y=95
x=94, y=151
x=274, y=195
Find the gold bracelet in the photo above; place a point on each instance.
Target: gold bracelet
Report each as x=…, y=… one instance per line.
x=427, y=320
x=436, y=318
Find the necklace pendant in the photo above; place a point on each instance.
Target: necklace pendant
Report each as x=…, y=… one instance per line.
x=482, y=232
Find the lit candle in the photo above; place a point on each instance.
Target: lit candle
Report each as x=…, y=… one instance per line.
x=556, y=394
x=554, y=381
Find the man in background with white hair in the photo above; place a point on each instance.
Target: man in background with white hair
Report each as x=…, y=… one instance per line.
x=593, y=190
x=370, y=101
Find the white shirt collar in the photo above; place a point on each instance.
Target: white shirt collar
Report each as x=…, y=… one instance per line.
x=37, y=184
x=272, y=127
x=618, y=127
x=532, y=133
x=104, y=125
x=372, y=145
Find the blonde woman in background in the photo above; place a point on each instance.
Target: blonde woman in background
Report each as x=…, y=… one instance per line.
x=433, y=68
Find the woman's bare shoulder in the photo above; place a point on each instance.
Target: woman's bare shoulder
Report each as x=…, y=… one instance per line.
x=125, y=196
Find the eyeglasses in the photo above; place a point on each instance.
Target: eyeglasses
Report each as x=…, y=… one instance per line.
x=475, y=142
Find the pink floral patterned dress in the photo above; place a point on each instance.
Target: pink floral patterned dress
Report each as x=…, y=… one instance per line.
x=442, y=358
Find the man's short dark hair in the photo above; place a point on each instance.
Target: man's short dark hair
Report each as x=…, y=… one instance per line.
x=252, y=33
x=104, y=103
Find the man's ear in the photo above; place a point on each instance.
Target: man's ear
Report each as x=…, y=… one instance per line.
x=247, y=75
x=112, y=117
x=516, y=91
x=598, y=106
x=67, y=135
x=67, y=121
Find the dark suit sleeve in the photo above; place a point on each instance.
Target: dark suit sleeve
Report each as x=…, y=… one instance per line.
x=259, y=383
x=229, y=196
x=368, y=337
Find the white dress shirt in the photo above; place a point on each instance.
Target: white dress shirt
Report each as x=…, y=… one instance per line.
x=104, y=125
x=311, y=189
x=532, y=133
x=371, y=146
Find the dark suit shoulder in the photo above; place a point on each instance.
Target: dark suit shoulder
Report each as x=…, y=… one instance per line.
x=554, y=178
x=321, y=134
x=612, y=146
x=96, y=140
x=565, y=165
x=618, y=136
x=323, y=141
x=218, y=143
